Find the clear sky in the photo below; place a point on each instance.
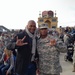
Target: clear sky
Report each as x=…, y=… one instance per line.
x=14, y=14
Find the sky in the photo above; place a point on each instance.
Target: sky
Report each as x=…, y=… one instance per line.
x=14, y=14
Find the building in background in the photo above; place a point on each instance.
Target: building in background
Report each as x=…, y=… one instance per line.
x=48, y=17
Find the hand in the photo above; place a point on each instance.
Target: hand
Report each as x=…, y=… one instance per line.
x=37, y=72
x=7, y=73
x=52, y=42
x=20, y=42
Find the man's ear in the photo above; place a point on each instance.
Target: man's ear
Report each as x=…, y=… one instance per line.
x=27, y=26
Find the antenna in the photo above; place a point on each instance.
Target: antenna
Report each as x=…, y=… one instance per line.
x=39, y=13
x=55, y=13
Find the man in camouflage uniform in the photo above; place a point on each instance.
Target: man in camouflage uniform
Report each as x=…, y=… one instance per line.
x=49, y=48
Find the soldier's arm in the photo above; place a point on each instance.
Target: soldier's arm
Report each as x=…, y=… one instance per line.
x=61, y=47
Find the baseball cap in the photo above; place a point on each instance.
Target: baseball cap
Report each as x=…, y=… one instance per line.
x=43, y=25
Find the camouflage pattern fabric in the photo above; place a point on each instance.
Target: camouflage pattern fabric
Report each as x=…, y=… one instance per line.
x=49, y=56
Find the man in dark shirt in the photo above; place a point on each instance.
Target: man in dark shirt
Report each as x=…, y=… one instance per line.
x=25, y=43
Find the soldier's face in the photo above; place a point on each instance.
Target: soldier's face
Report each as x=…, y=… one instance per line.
x=43, y=31
x=32, y=27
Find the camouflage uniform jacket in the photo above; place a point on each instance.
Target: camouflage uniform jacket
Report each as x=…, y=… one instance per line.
x=49, y=56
